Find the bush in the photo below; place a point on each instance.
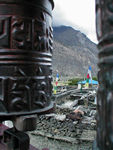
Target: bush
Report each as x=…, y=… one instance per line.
x=95, y=78
x=74, y=81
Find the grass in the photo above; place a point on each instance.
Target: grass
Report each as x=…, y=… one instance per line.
x=74, y=81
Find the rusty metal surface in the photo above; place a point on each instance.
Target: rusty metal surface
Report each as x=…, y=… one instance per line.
x=2, y=128
x=15, y=139
x=2, y=144
x=3, y=147
x=25, y=123
x=104, y=23
x=25, y=57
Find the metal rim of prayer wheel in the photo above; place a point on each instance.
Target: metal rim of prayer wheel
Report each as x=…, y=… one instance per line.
x=26, y=41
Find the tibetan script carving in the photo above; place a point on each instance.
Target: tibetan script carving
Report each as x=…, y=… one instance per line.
x=26, y=42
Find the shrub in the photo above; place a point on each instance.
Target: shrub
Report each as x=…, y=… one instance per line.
x=74, y=81
x=95, y=78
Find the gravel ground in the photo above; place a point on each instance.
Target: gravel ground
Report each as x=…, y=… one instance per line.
x=71, y=133
x=42, y=142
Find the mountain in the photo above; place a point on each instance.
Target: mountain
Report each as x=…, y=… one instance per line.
x=73, y=52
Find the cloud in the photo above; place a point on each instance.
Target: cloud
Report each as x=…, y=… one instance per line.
x=80, y=14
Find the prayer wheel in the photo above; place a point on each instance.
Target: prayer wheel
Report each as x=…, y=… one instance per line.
x=104, y=26
x=26, y=41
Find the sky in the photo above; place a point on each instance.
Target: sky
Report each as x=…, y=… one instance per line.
x=79, y=14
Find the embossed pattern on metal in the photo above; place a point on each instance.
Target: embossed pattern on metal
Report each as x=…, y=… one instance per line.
x=26, y=45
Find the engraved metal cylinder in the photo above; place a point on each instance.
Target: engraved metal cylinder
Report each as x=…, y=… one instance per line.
x=104, y=26
x=25, y=57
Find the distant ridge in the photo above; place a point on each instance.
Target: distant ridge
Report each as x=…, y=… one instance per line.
x=62, y=29
x=73, y=52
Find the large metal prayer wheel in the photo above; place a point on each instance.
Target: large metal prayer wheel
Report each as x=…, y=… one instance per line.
x=104, y=22
x=25, y=57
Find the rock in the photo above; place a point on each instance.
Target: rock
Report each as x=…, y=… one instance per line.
x=68, y=105
x=86, y=120
x=93, y=113
x=93, y=125
x=76, y=115
x=78, y=111
x=88, y=135
x=74, y=96
x=93, y=121
x=71, y=127
x=60, y=117
x=50, y=115
x=82, y=108
x=74, y=103
x=56, y=131
x=75, y=122
x=80, y=102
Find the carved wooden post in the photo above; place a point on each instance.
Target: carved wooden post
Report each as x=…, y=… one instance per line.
x=104, y=22
x=25, y=58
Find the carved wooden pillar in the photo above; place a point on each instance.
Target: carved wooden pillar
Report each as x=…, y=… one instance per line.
x=104, y=22
x=25, y=57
